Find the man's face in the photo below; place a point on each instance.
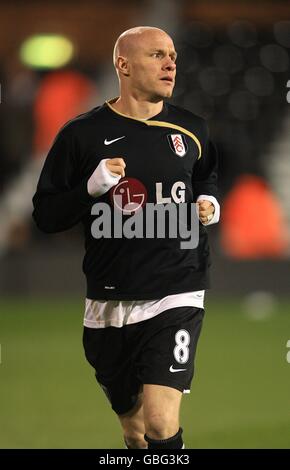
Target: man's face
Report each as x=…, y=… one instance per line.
x=152, y=67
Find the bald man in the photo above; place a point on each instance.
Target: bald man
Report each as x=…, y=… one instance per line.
x=145, y=295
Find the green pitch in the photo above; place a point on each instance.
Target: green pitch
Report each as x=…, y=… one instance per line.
x=240, y=396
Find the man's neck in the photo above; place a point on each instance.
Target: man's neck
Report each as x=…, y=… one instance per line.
x=137, y=108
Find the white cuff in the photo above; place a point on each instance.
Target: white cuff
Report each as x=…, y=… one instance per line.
x=101, y=180
x=216, y=215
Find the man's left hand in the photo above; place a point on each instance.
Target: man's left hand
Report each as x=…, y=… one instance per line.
x=205, y=211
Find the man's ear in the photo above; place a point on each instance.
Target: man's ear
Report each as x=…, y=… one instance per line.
x=123, y=66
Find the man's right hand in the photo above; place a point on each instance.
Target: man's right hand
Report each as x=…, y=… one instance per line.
x=116, y=166
x=106, y=175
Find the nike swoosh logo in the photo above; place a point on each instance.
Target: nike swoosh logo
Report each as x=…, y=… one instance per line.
x=175, y=370
x=109, y=142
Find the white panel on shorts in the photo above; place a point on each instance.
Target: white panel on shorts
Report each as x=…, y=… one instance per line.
x=118, y=313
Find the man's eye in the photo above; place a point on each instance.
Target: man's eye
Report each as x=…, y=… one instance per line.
x=156, y=54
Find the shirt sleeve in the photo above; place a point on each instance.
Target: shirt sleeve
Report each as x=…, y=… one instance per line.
x=205, y=173
x=61, y=198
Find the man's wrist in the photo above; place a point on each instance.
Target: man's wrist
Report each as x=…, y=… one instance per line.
x=102, y=180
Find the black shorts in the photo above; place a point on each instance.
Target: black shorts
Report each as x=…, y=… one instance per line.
x=157, y=351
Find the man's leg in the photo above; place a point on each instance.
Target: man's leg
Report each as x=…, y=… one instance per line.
x=161, y=407
x=133, y=426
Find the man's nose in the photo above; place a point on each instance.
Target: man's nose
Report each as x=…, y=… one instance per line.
x=169, y=65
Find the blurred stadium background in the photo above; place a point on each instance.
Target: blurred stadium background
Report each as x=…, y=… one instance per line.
x=233, y=69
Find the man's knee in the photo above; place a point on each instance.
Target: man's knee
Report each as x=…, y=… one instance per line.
x=160, y=426
x=161, y=410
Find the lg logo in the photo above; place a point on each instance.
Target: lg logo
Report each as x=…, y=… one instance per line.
x=130, y=195
x=177, y=193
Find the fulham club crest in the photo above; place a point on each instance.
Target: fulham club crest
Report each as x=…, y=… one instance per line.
x=178, y=144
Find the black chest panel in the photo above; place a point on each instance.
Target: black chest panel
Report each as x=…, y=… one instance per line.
x=153, y=154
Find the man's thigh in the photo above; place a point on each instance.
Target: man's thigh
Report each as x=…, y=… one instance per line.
x=161, y=407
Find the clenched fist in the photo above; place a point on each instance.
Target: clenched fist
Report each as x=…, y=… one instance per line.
x=205, y=211
x=116, y=166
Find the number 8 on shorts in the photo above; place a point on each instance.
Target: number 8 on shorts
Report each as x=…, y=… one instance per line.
x=181, y=351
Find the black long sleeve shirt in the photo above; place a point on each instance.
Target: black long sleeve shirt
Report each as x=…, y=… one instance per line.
x=171, y=147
